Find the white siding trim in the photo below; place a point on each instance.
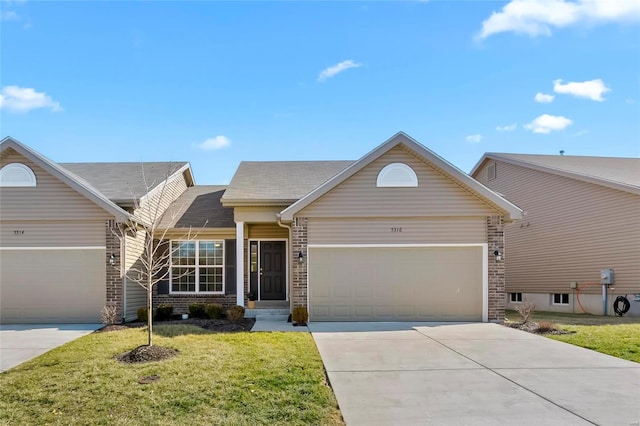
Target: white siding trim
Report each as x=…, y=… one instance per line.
x=485, y=264
x=240, y=263
x=56, y=248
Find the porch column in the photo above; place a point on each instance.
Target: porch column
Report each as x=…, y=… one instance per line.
x=240, y=263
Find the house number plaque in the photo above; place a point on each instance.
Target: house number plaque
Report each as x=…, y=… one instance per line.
x=396, y=229
x=18, y=232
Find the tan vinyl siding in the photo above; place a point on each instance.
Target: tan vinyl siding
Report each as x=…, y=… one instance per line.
x=52, y=234
x=257, y=214
x=411, y=231
x=153, y=207
x=198, y=234
x=264, y=231
x=136, y=296
x=436, y=194
x=49, y=199
x=571, y=230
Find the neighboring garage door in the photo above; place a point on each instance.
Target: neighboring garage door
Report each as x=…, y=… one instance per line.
x=396, y=283
x=52, y=285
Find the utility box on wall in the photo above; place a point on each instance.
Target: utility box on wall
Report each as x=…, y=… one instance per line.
x=606, y=276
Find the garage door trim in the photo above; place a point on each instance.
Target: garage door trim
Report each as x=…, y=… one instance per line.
x=485, y=264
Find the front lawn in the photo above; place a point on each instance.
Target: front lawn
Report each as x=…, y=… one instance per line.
x=621, y=340
x=617, y=336
x=240, y=378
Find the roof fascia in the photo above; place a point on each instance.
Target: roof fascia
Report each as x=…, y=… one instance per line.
x=402, y=138
x=257, y=203
x=62, y=174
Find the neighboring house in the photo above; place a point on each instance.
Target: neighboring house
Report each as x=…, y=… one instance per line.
x=60, y=260
x=400, y=234
x=581, y=215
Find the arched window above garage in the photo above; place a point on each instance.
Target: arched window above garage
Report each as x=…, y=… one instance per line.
x=16, y=175
x=397, y=175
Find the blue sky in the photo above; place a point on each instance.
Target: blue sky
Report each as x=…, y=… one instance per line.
x=215, y=83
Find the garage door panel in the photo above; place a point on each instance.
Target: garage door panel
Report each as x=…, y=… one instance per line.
x=43, y=286
x=395, y=283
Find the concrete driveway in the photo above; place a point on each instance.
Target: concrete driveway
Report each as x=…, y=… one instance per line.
x=472, y=374
x=20, y=343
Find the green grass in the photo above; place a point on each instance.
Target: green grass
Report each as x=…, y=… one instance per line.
x=621, y=340
x=241, y=378
x=615, y=336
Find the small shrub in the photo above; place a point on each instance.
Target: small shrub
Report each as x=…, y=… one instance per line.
x=108, y=314
x=196, y=310
x=526, y=310
x=214, y=310
x=143, y=314
x=300, y=315
x=164, y=312
x=546, y=327
x=235, y=314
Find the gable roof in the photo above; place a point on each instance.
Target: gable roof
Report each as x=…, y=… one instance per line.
x=77, y=183
x=614, y=172
x=401, y=138
x=278, y=182
x=123, y=183
x=199, y=207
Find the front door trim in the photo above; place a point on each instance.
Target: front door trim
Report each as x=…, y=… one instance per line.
x=286, y=263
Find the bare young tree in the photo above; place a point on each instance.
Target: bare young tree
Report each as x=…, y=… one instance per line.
x=145, y=237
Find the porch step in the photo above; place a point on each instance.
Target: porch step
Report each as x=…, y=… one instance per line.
x=272, y=304
x=267, y=314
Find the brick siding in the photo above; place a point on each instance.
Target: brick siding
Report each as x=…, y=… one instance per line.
x=495, y=241
x=181, y=302
x=299, y=244
x=114, y=272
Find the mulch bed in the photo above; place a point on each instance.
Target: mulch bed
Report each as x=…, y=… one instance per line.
x=215, y=326
x=534, y=327
x=146, y=354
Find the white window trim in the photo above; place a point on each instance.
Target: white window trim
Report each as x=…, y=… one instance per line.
x=515, y=301
x=31, y=182
x=196, y=268
x=553, y=299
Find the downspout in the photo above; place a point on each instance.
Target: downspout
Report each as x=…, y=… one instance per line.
x=290, y=262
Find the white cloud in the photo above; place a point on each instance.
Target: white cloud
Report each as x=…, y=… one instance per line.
x=548, y=123
x=592, y=89
x=212, y=144
x=9, y=15
x=543, y=98
x=630, y=101
x=24, y=99
x=507, y=128
x=337, y=69
x=473, y=138
x=538, y=17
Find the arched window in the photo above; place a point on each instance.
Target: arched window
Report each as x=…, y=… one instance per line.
x=396, y=175
x=16, y=174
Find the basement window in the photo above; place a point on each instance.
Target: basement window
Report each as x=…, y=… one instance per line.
x=561, y=298
x=515, y=297
x=16, y=175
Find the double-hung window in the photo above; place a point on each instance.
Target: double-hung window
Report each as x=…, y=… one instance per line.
x=197, y=267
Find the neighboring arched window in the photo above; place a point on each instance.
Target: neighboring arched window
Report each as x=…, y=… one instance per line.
x=16, y=174
x=396, y=175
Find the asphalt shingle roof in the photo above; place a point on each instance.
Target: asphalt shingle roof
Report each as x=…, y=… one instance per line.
x=280, y=180
x=613, y=169
x=199, y=206
x=122, y=182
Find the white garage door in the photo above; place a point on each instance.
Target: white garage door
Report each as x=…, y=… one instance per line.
x=52, y=286
x=396, y=283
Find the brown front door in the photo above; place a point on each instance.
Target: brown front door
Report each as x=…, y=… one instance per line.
x=273, y=273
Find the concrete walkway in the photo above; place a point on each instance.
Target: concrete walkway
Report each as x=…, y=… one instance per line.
x=276, y=325
x=479, y=374
x=20, y=343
